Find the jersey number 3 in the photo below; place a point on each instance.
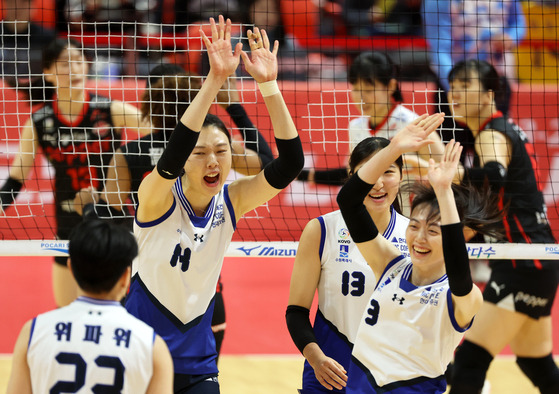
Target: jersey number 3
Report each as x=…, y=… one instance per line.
x=80, y=369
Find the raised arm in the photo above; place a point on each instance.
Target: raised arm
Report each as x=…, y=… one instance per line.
x=378, y=251
x=155, y=196
x=254, y=153
x=250, y=192
x=127, y=116
x=466, y=296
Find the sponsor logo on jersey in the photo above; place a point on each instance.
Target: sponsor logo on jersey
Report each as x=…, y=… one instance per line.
x=343, y=233
x=344, y=251
x=431, y=296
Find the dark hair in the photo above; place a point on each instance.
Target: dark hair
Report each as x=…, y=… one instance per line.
x=100, y=252
x=38, y=90
x=366, y=148
x=161, y=70
x=477, y=207
x=213, y=120
x=167, y=97
x=488, y=77
x=375, y=66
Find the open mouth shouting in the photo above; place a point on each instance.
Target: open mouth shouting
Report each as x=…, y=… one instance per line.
x=212, y=179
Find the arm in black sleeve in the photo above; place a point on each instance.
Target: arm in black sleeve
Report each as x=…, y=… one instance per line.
x=350, y=200
x=335, y=177
x=456, y=259
x=9, y=192
x=101, y=210
x=180, y=146
x=299, y=326
x=253, y=139
x=289, y=163
x=494, y=172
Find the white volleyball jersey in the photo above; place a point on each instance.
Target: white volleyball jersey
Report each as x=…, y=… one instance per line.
x=345, y=287
x=407, y=333
x=175, y=277
x=360, y=128
x=90, y=345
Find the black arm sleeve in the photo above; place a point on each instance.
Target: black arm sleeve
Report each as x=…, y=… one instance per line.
x=456, y=259
x=251, y=136
x=285, y=168
x=299, y=326
x=180, y=146
x=335, y=177
x=9, y=192
x=494, y=172
x=350, y=200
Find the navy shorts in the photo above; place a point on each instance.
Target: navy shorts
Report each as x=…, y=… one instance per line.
x=527, y=291
x=196, y=384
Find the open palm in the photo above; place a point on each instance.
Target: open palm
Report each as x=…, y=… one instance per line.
x=441, y=174
x=262, y=64
x=223, y=61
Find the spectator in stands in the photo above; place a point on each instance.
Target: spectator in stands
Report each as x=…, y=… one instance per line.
x=78, y=132
x=94, y=339
x=374, y=17
x=469, y=29
x=22, y=43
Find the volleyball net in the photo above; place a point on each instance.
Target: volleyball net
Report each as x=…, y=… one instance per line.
x=317, y=45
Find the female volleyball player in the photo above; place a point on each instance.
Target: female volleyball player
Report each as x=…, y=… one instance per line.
x=375, y=92
x=78, y=132
x=187, y=215
x=520, y=293
x=328, y=260
x=169, y=92
x=422, y=304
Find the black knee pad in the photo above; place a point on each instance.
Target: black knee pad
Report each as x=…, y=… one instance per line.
x=542, y=371
x=471, y=363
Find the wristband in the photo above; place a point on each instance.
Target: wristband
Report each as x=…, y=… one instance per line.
x=269, y=88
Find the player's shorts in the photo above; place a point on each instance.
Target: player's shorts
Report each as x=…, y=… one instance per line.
x=196, y=384
x=527, y=291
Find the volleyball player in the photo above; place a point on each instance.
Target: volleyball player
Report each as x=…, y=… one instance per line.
x=186, y=214
x=328, y=260
x=93, y=344
x=519, y=295
x=375, y=92
x=422, y=304
x=78, y=132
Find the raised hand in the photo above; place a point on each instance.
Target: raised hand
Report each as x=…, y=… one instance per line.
x=223, y=61
x=262, y=64
x=414, y=135
x=441, y=174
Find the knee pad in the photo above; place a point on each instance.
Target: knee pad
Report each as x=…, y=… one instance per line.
x=542, y=371
x=470, y=367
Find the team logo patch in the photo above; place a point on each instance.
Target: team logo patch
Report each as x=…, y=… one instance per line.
x=343, y=233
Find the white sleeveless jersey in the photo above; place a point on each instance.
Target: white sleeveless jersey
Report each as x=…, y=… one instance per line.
x=344, y=289
x=175, y=277
x=92, y=345
x=407, y=332
x=346, y=280
x=360, y=128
